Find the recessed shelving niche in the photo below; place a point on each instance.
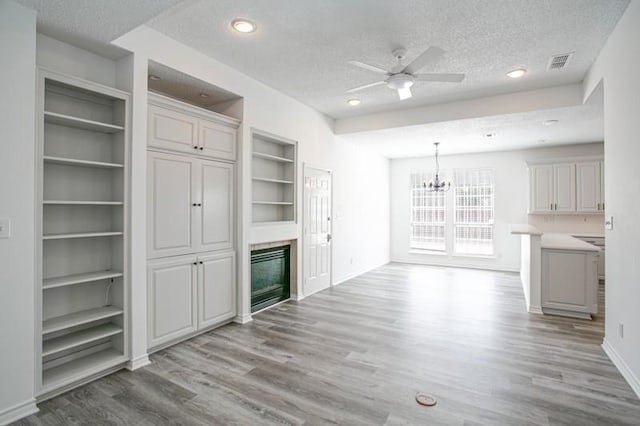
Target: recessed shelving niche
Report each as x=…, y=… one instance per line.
x=82, y=298
x=273, y=178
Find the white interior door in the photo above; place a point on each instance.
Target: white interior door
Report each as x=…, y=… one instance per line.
x=317, y=230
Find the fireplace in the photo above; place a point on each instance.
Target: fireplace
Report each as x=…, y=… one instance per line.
x=270, y=276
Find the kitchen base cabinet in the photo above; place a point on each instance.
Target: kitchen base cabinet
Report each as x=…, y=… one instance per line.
x=188, y=294
x=570, y=282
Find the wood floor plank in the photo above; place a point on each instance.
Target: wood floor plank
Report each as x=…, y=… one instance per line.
x=357, y=353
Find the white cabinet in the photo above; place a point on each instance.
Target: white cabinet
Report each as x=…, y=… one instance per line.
x=552, y=188
x=567, y=187
x=189, y=206
x=216, y=292
x=187, y=294
x=82, y=218
x=590, y=195
x=171, y=291
x=176, y=126
x=570, y=282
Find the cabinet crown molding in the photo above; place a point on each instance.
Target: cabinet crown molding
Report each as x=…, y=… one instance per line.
x=171, y=103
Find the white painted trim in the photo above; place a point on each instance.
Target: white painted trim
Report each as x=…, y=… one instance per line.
x=139, y=362
x=535, y=310
x=242, y=319
x=357, y=274
x=18, y=411
x=271, y=306
x=622, y=366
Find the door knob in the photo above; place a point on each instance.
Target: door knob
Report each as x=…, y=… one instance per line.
x=328, y=237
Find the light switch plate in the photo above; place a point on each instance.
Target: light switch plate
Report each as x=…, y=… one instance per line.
x=5, y=227
x=608, y=223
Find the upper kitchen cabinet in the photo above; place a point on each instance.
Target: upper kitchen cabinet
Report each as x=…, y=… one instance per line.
x=590, y=186
x=567, y=187
x=177, y=126
x=552, y=188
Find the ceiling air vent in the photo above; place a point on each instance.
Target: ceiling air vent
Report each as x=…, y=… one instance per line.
x=558, y=62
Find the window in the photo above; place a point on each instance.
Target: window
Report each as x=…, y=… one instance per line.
x=473, y=212
x=428, y=216
x=459, y=221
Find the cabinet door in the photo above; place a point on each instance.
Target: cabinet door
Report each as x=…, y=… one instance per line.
x=564, y=187
x=541, y=188
x=169, y=204
x=171, y=294
x=216, y=289
x=214, y=218
x=217, y=140
x=569, y=280
x=169, y=129
x=588, y=174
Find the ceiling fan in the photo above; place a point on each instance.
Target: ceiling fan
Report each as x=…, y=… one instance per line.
x=402, y=77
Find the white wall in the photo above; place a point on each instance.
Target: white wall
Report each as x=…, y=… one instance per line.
x=17, y=202
x=365, y=240
x=617, y=65
x=511, y=199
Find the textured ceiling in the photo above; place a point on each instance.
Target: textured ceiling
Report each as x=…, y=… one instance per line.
x=302, y=48
x=93, y=24
x=578, y=124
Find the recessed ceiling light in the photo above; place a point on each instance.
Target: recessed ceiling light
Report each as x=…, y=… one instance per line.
x=243, y=26
x=153, y=77
x=517, y=73
x=204, y=95
x=549, y=122
x=354, y=102
x=489, y=135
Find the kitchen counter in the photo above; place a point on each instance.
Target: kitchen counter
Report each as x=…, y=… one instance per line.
x=524, y=229
x=565, y=242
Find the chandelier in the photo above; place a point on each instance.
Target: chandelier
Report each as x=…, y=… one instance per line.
x=437, y=185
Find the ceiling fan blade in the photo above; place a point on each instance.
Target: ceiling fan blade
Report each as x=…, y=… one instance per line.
x=445, y=78
x=368, y=67
x=404, y=93
x=366, y=86
x=429, y=55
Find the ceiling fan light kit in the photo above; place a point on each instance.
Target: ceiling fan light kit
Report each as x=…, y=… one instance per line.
x=401, y=78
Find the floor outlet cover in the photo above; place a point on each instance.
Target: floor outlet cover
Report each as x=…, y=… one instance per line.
x=426, y=400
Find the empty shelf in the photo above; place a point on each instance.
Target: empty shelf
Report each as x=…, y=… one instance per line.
x=80, y=235
x=79, y=318
x=260, y=179
x=81, y=163
x=80, y=123
x=82, y=203
x=272, y=157
x=84, y=366
x=274, y=203
x=72, y=340
x=79, y=278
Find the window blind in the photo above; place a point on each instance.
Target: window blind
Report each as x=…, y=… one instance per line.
x=473, y=211
x=428, y=215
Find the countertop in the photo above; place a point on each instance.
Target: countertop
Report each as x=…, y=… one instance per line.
x=565, y=242
x=520, y=229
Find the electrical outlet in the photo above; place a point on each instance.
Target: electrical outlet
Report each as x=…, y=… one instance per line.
x=621, y=330
x=5, y=227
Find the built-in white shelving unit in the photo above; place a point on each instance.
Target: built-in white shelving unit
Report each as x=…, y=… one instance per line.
x=82, y=296
x=273, y=178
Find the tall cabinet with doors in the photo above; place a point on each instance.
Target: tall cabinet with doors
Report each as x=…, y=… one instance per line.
x=191, y=220
x=82, y=230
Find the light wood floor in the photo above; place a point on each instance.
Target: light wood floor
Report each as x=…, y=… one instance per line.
x=356, y=354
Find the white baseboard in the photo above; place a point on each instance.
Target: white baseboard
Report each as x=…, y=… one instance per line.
x=242, y=319
x=139, y=362
x=622, y=366
x=356, y=274
x=535, y=310
x=483, y=267
x=19, y=411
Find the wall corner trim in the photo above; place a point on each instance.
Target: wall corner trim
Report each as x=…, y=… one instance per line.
x=622, y=366
x=242, y=319
x=18, y=411
x=139, y=362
